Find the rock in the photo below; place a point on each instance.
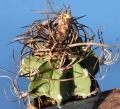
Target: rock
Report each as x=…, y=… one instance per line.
x=108, y=100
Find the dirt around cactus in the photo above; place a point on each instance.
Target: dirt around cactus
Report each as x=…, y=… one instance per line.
x=108, y=100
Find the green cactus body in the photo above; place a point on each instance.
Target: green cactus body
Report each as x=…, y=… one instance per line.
x=48, y=83
x=82, y=83
x=29, y=64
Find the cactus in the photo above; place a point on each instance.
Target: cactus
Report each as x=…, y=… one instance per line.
x=57, y=70
x=61, y=61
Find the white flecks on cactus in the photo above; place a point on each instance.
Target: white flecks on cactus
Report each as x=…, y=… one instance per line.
x=59, y=96
x=85, y=72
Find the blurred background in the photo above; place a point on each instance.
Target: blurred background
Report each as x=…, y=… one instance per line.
x=15, y=14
